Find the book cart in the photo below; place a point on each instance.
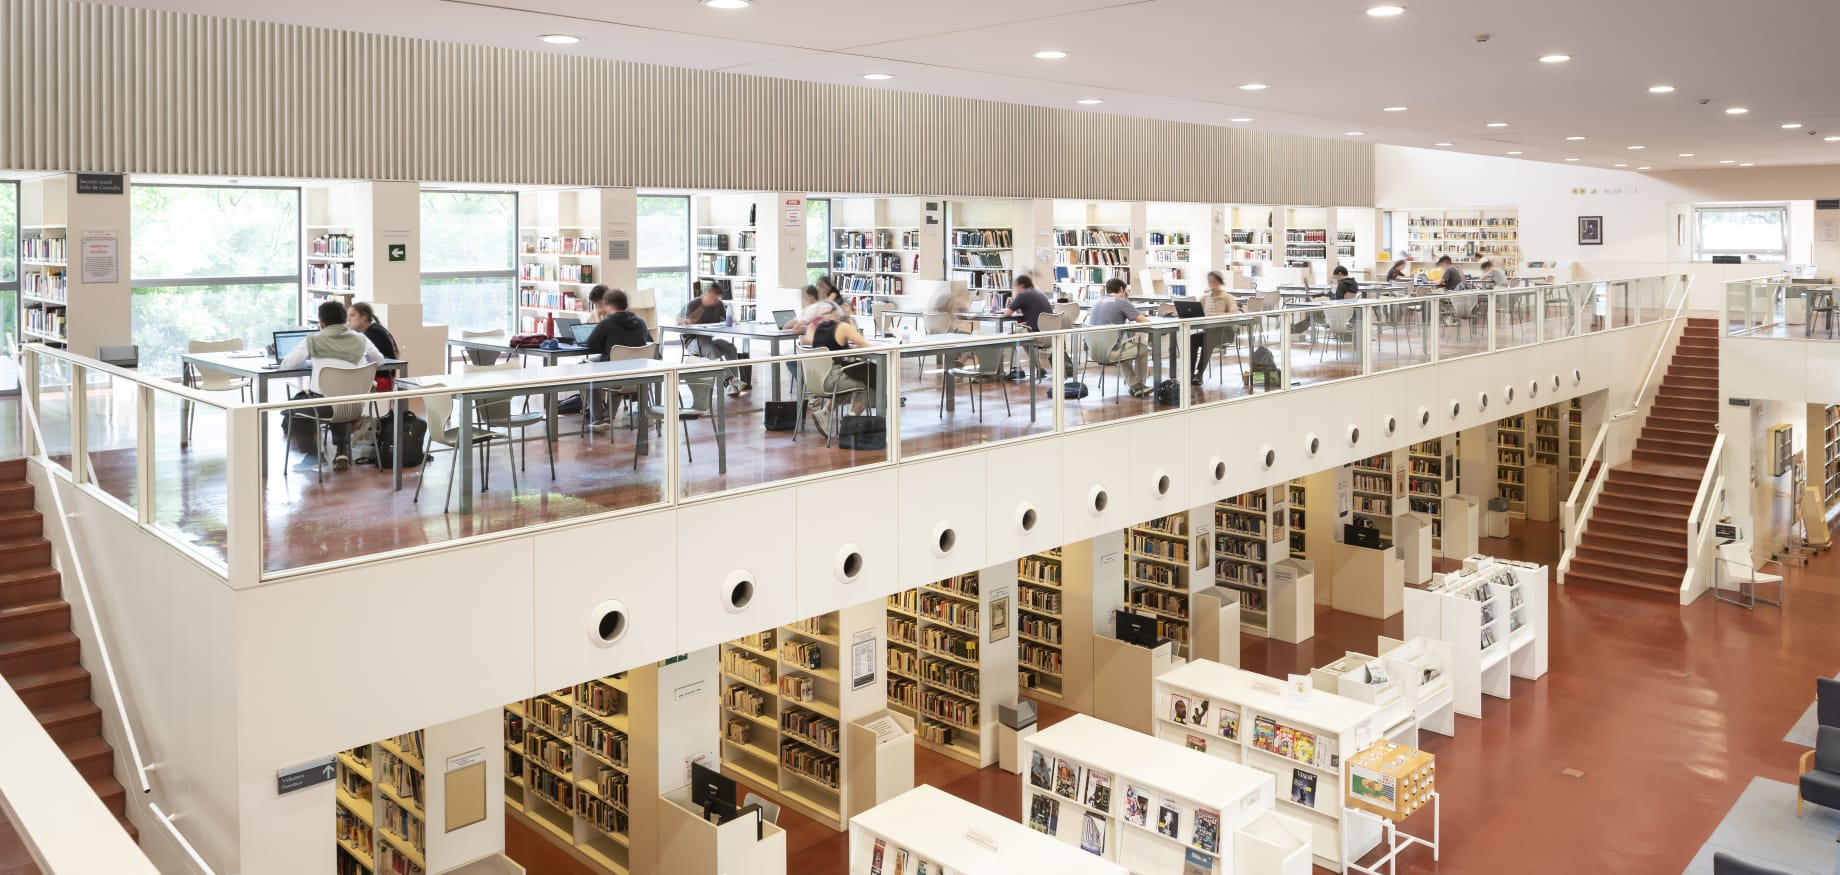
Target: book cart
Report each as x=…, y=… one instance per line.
x=1144, y=803
x=1297, y=738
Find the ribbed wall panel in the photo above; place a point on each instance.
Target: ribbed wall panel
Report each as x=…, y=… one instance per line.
x=92, y=87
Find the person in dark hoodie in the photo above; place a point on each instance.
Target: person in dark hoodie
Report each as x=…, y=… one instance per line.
x=618, y=327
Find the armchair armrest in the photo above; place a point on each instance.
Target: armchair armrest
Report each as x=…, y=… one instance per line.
x=1807, y=758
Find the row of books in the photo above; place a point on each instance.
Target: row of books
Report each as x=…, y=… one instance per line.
x=951, y=611
x=1046, y=659
x=549, y=714
x=402, y=780
x=556, y=273
x=738, y=664
x=813, y=626
x=820, y=731
x=1373, y=506
x=905, y=662
x=611, y=744
x=876, y=262
x=904, y=600
x=1138, y=542
x=876, y=240
x=943, y=642
x=1170, y=238
x=1249, y=237
x=965, y=585
x=746, y=701
x=558, y=790
x=400, y=823
x=602, y=816
x=43, y=249
x=986, y=260
x=715, y=242
x=948, y=708
x=1103, y=257
x=1040, y=568
x=54, y=287
x=1240, y=574
x=983, y=238
x=798, y=688
x=935, y=732
x=551, y=753
x=331, y=276
x=600, y=698
x=1040, y=628
x=1251, y=551
x=1468, y=235
x=1306, y=251
x=535, y=298
x=802, y=654
x=1306, y=236
x=1150, y=572
x=904, y=692
x=902, y=629
x=863, y=284
x=333, y=246
x=1372, y=483
x=1040, y=601
x=1173, y=604
x=547, y=245
x=44, y=321
x=1091, y=237
x=724, y=265
x=804, y=760
x=958, y=678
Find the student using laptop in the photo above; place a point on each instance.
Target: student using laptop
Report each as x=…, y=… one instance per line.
x=1218, y=301
x=334, y=342
x=618, y=325
x=708, y=309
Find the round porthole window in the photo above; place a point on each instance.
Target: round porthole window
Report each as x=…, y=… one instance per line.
x=607, y=623
x=1482, y=401
x=1392, y=425
x=1097, y=501
x=1354, y=435
x=1577, y=376
x=1311, y=446
x=1162, y=484
x=1424, y=417
x=1220, y=470
x=738, y=590
x=1556, y=383
x=1027, y=517
x=1267, y=458
x=1456, y=408
x=1533, y=389
x=849, y=563
x=944, y=539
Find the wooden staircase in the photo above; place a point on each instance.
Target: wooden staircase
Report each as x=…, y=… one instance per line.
x=38, y=656
x=1637, y=535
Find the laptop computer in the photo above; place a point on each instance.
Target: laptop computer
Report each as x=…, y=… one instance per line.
x=565, y=325
x=1189, y=309
x=285, y=341
x=781, y=317
x=578, y=333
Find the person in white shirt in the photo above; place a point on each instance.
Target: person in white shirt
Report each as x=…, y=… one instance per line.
x=333, y=343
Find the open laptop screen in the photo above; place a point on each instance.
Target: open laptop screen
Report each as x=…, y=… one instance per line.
x=285, y=341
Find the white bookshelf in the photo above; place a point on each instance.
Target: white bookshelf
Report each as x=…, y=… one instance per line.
x=984, y=257
x=1255, y=721
x=1511, y=463
x=1041, y=613
x=1428, y=483
x=1494, y=618
x=874, y=260
x=1159, y=557
x=1251, y=536
x=1369, y=679
x=561, y=255
x=1421, y=668
x=727, y=254
x=1089, y=256
x=1142, y=801
x=951, y=835
x=1172, y=251
x=1253, y=235
x=1467, y=236
x=1378, y=487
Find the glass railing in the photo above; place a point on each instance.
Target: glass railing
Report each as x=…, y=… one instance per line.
x=519, y=448
x=1774, y=307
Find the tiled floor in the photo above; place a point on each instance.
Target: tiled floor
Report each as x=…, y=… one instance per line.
x=1668, y=711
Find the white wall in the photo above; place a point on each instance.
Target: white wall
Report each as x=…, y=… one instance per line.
x=1643, y=212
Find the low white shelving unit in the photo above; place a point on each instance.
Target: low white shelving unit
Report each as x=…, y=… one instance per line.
x=928, y=825
x=1421, y=668
x=1493, y=615
x=1302, y=741
x=1368, y=679
x=1145, y=803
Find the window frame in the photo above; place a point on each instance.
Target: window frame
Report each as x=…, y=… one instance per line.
x=13, y=285
x=509, y=273
x=1702, y=254
x=297, y=278
x=814, y=269
x=640, y=267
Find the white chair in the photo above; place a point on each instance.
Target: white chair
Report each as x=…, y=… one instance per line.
x=813, y=374
x=208, y=380
x=985, y=367
x=1338, y=326
x=617, y=392
x=702, y=388
x=335, y=380
x=484, y=356
x=440, y=412
x=496, y=413
x=1737, y=568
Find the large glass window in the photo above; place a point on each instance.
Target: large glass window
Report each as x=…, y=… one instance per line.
x=817, y=238
x=9, y=281
x=211, y=264
x=664, y=252
x=469, y=260
x=1754, y=233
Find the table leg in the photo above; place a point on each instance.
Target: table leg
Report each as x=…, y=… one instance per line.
x=398, y=410
x=951, y=391
x=463, y=454
x=642, y=439
x=721, y=404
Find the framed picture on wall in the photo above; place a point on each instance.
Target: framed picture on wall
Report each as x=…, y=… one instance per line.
x=1590, y=230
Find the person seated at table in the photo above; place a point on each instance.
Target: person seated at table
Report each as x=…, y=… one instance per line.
x=828, y=291
x=618, y=326
x=594, y=300
x=837, y=335
x=333, y=343
x=1451, y=277
x=708, y=309
x=1218, y=301
x=1347, y=288
x=950, y=300
x=1494, y=276
x=1397, y=272
x=363, y=319
x=813, y=308
x=1127, y=349
x=1027, y=304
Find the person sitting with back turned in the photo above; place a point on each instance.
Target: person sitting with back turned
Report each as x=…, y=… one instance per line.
x=333, y=343
x=1028, y=304
x=837, y=335
x=708, y=309
x=1127, y=350
x=618, y=326
x=1218, y=301
x=1494, y=276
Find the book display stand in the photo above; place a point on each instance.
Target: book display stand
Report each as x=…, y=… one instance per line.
x=1493, y=616
x=1368, y=679
x=1148, y=804
x=928, y=827
x=1421, y=669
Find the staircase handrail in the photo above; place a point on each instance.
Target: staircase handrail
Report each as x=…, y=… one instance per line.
x=1573, y=516
x=28, y=404
x=1710, y=485
x=1684, y=283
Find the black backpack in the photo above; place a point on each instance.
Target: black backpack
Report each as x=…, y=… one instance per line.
x=1168, y=393
x=1074, y=389
x=414, y=435
x=1263, y=360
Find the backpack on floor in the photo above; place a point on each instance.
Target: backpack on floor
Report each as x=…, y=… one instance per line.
x=414, y=436
x=1168, y=393
x=1074, y=389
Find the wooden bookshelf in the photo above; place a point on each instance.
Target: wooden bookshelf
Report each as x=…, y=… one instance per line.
x=1040, y=607
x=1172, y=250
x=1830, y=455
x=983, y=257
x=1251, y=535
x=380, y=822
x=1511, y=463
x=1428, y=482
x=1467, y=236
x=1157, y=561
x=1087, y=256
x=1549, y=435
x=568, y=768
x=874, y=261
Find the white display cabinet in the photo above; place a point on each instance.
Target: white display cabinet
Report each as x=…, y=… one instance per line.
x=1147, y=804
x=1494, y=618
x=1300, y=738
x=1421, y=667
x=1367, y=679
x=955, y=837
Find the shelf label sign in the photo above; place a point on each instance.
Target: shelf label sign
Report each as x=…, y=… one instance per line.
x=304, y=775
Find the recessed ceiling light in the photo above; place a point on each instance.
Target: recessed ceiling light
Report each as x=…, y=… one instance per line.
x=1498, y=124
x=1661, y=89
x=1554, y=59
x=1354, y=133
x=878, y=77
x=1619, y=165
x=1571, y=159
x=1727, y=161
x=1635, y=148
x=1514, y=153
x=1385, y=11
x=1832, y=139
x=1239, y=119
x=1736, y=110
x=1574, y=139
x=559, y=39
x=1254, y=86
x=1392, y=109
x=728, y=4
x=1051, y=55
x=1747, y=164
x=1090, y=101
x=1791, y=126
x=1443, y=144
x=1684, y=155
x=1643, y=167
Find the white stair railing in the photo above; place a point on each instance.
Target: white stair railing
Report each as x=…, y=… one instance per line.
x=1575, y=514
x=1708, y=505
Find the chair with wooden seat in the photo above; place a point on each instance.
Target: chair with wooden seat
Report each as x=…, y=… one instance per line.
x=442, y=432
x=496, y=413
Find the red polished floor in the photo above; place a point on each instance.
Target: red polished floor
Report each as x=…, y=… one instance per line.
x=1667, y=711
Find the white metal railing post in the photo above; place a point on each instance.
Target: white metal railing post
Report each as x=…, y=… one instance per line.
x=76, y=394
x=889, y=405
x=146, y=458
x=1493, y=346
x=1284, y=349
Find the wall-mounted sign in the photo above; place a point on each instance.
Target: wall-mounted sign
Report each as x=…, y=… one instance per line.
x=1827, y=205
x=101, y=183
x=304, y=775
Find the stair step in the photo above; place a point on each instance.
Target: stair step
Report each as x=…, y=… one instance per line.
x=69, y=721
x=1625, y=480
x=17, y=496
x=1687, y=447
x=1690, y=381
x=112, y=793
x=31, y=585
x=21, y=525
x=1614, y=552
x=25, y=553
x=34, y=619
x=1645, y=529
x=92, y=756
x=1588, y=579
x=13, y=470
x=51, y=686
x=1677, y=425
x=35, y=654
x=1617, y=571
x=1659, y=508
x=1664, y=458
x=1706, y=353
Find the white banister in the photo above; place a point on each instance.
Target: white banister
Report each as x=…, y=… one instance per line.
x=1684, y=285
x=1706, y=506
x=1575, y=514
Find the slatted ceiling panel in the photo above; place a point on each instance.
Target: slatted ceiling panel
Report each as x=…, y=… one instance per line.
x=97, y=87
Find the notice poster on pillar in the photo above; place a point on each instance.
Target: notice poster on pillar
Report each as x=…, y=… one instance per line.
x=862, y=659
x=101, y=258
x=795, y=213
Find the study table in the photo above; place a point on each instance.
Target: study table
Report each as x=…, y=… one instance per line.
x=501, y=346
x=742, y=332
x=256, y=367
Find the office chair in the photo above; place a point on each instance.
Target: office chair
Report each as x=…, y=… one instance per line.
x=769, y=812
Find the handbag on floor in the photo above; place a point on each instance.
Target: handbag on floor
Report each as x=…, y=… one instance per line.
x=782, y=415
x=862, y=433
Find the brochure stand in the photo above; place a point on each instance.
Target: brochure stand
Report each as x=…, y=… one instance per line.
x=745, y=845
x=879, y=751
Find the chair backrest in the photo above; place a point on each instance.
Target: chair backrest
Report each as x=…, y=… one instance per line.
x=440, y=411
x=1736, y=556
x=814, y=372
x=631, y=353
x=120, y=356
x=1059, y=320
x=1827, y=701
x=989, y=360
x=490, y=335
x=936, y=323
x=1726, y=864
x=469, y=334
x=210, y=380
x=234, y=344
x=878, y=313
x=769, y=811
x=702, y=392
x=1101, y=347
x=1338, y=317
x=492, y=409
x=337, y=379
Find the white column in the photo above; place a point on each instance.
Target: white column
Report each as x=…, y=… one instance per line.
x=780, y=225
x=1139, y=256
x=389, y=232
x=618, y=265
x=932, y=238
x=99, y=314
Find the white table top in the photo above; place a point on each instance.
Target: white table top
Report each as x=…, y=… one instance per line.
x=482, y=381
x=934, y=824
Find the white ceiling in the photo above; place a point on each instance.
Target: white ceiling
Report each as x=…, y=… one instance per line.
x=1331, y=67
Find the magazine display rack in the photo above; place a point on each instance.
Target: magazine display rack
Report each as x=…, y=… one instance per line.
x=928, y=827
x=1147, y=804
x=1421, y=668
x=1494, y=618
x=1369, y=679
